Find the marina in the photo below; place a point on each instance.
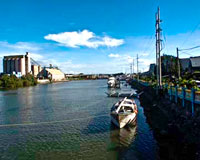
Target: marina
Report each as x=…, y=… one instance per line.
x=56, y=121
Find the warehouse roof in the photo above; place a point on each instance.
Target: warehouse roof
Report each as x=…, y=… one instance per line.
x=54, y=71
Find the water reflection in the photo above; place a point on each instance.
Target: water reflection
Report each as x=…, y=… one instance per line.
x=77, y=124
x=124, y=137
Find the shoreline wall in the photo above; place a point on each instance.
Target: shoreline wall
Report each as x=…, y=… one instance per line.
x=175, y=129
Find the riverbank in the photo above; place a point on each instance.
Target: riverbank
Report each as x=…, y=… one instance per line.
x=47, y=81
x=176, y=130
x=12, y=82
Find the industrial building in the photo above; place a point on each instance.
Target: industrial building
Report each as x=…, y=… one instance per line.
x=17, y=64
x=36, y=69
x=20, y=65
x=55, y=74
x=52, y=73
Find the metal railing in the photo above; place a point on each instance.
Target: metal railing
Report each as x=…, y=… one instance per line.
x=182, y=93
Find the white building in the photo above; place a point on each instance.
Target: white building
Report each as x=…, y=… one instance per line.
x=54, y=74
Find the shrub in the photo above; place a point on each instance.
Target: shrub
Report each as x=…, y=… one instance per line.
x=26, y=83
x=12, y=81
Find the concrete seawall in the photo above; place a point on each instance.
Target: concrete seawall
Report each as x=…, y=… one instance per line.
x=175, y=129
x=47, y=81
x=43, y=81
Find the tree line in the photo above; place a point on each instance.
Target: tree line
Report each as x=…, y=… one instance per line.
x=11, y=81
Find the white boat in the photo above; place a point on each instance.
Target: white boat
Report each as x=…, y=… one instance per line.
x=124, y=112
x=111, y=82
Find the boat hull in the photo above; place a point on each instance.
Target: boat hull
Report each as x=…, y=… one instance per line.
x=121, y=119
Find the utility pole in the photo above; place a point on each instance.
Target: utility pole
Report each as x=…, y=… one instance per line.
x=130, y=69
x=137, y=70
x=133, y=67
x=158, y=49
x=178, y=64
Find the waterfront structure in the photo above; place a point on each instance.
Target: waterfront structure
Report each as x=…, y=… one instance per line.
x=36, y=69
x=195, y=63
x=52, y=73
x=17, y=64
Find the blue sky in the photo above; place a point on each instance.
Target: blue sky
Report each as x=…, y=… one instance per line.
x=96, y=36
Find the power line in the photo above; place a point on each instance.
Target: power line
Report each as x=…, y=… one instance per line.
x=149, y=43
x=189, y=48
x=196, y=26
x=189, y=51
x=186, y=53
x=164, y=42
x=152, y=37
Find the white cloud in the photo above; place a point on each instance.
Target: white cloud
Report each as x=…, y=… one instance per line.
x=118, y=60
x=114, y=55
x=93, y=68
x=125, y=60
x=20, y=46
x=145, y=63
x=83, y=38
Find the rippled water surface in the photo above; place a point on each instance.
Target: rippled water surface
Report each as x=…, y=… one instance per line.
x=69, y=121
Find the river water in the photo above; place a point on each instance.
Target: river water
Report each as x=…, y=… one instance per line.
x=69, y=120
